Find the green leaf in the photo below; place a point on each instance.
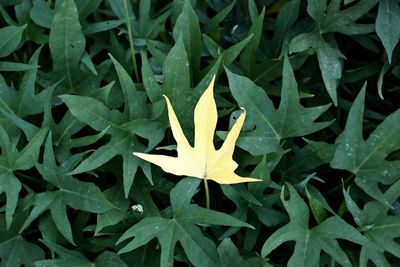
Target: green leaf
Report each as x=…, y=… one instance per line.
x=253, y=201
x=25, y=101
x=253, y=11
x=366, y=159
x=123, y=141
x=6, y=3
x=72, y=192
x=248, y=204
x=16, y=251
x=248, y=56
x=143, y=24
x=387, y=25
x=177, y=82
x=271, y=69
x=262, y=171
x=310, y=242
x=114, y=195
x=64, y=130
x=200, y=250
x=41, y=13
x=308, y=158
x=66, y=69
x=229, y=54
x=360, y=74
x=289, y=120
x=92, y=112
x=11, y=186
x=87, y=63
x=48, y=229
x=123, y=128
x=330, y=18
x=304, y=41
x=212, y=26
x=178, y=88
x=187, y=26
x=153, y=89
x=102, y=26
x=380, y=227
x=10, y=37
x=119, y=9
x=134, y=100
x=286, y=18
x=87, y=7
x=144, y=192
x=74, y=258
x=317, y=208
x=12, y=160
x=15, y=66
x=229, y=254
x=28, y=129
x=329, y=59
x=67, y=43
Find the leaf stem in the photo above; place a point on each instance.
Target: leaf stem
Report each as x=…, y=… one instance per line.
x=128, y=25
x=207, y=193
x=339, y=186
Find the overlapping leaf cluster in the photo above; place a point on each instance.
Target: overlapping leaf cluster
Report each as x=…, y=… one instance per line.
x=81, y=88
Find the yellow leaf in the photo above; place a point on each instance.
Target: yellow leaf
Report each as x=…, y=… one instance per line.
x=202, y=160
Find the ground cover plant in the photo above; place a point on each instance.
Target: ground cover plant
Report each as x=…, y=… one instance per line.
x=289, y=106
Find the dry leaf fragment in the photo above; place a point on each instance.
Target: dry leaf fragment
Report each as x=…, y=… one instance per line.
x=202, y=160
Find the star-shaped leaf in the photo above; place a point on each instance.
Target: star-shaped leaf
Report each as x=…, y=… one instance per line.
x=200, y=250
x=74, y=258
x=202, y=160
x=333, y=18
x=25, y=101
x=380, y=228
x=330, y=18
x=366, y=159
x=271, y=126
x=70, y=192
x=12, y=160
x=67, y=126
x=124, y=126
x=15, y=250
x=310, y=242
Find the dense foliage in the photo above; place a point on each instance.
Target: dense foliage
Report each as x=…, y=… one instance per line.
x=81, y=89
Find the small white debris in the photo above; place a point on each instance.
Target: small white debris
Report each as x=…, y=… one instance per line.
x=138, y=208
x=234, y=28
